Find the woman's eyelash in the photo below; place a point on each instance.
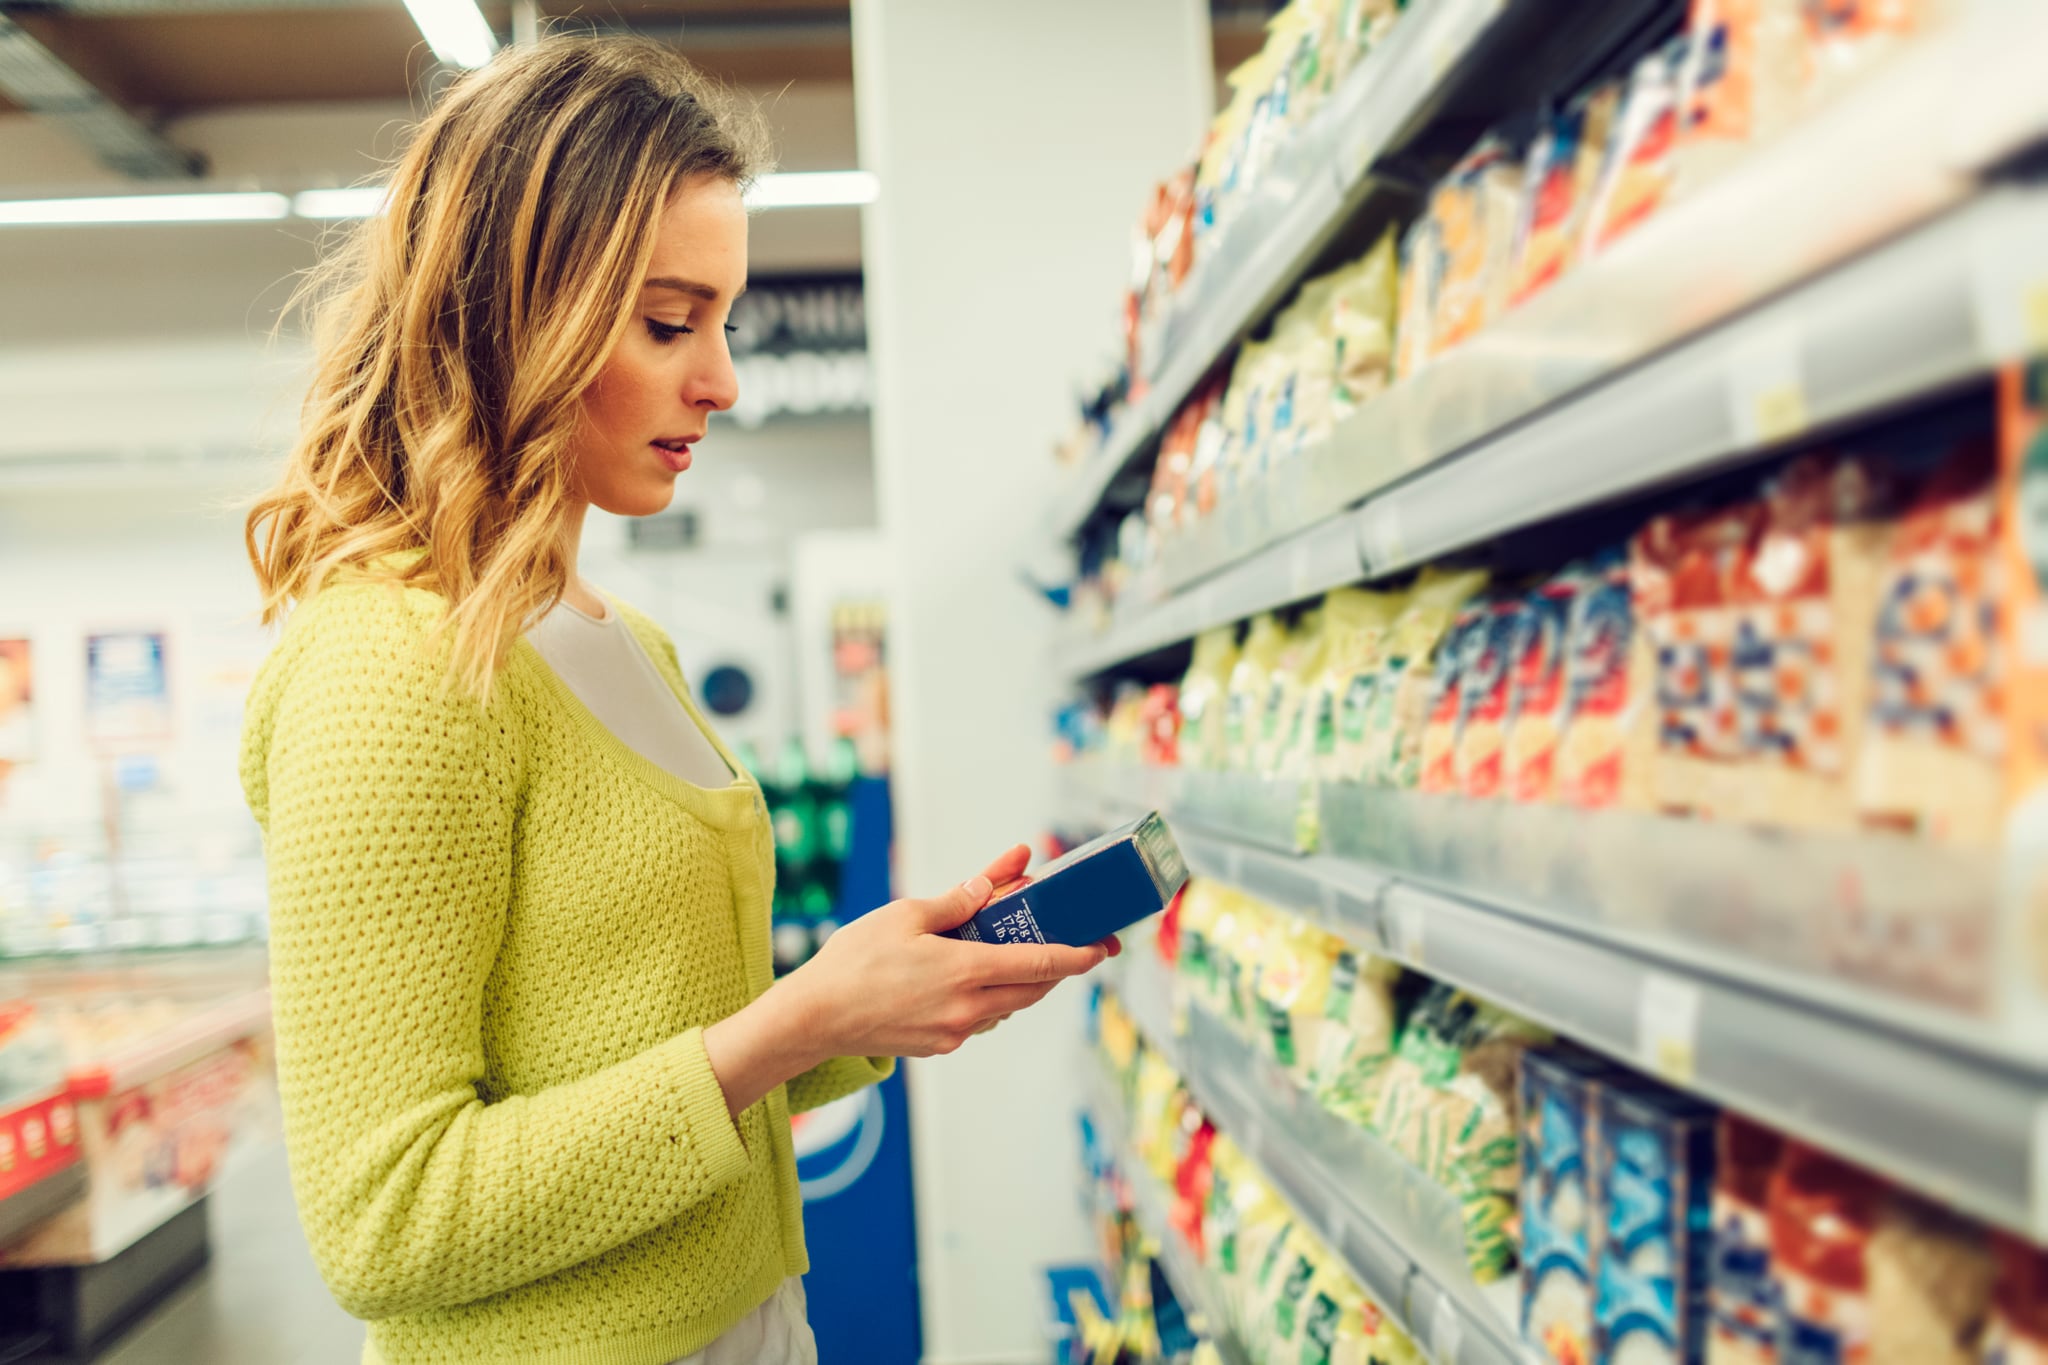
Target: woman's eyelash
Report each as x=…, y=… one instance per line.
x=665, y=332
x=731, y=330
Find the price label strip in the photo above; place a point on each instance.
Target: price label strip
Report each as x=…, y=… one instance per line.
x=1446, y=1331
x=1767, y=389
x=1402, y=926
x=1668, y=1027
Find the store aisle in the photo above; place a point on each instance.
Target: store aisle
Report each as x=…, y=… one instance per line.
x=259, y=1302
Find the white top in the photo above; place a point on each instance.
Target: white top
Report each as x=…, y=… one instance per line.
x=604, y=665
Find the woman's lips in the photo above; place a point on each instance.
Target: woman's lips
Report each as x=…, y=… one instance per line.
x=676, y=457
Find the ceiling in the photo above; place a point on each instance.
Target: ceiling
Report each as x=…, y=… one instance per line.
x=167, y=58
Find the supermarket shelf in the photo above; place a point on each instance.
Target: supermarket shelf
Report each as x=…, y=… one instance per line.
x=1942, y=303
x=1404, y=1250
x=206, y=1031
x=1305, y=197
x=1191, y=1283
x=1951, y=1113
x=51, y=1195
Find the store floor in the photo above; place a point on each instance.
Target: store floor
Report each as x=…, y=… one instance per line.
x=259, y=1301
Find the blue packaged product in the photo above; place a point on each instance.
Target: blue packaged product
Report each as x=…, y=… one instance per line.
x=1560, y=1219
x=1089, y=893
x=1656, y=1188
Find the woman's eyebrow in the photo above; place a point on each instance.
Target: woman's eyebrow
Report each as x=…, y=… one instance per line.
x=691, y=287
x=707, y=292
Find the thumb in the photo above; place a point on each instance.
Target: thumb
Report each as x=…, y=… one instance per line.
x=938, y=914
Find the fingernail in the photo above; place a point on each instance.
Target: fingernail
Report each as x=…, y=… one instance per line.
x=977, y=888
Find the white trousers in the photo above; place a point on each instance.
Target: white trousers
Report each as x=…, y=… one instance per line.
x=776, y=1333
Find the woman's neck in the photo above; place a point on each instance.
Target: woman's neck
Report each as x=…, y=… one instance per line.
x=577, y=593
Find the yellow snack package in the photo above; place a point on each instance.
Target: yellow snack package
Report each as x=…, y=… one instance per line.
x=1201, y=905
x=1202, y=694
x=1360, y=623
x=1249, y=679
x=1477, y=209
x=1294, y=986
x=1282, y=720
x=1399, y=707
x=1359, y=323
x=1356, y=1041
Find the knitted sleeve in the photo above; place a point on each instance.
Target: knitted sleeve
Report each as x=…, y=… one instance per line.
x=827, y=1082
x=389, y=805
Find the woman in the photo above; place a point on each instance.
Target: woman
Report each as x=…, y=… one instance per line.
x=537, y=1077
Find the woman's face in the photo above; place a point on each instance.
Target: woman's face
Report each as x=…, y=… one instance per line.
x=671, y=370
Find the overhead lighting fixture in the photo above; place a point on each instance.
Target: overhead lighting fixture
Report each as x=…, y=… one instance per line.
x=357, y=201
x=145, y=208
x=814, y=190
x=455, y=29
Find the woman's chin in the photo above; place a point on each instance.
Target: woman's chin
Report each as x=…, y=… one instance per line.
x=641, y=502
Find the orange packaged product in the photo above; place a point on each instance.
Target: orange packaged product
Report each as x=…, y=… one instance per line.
x=1806, y=607
x=1536, y=708
x=1934, y=756
x=1682, y=572
x=1486, y=695
x=1745, y=68
x=1637, y=175
x=1476, y=210
x=1460, y=647
x=1823, y=1212
x=1558, y=182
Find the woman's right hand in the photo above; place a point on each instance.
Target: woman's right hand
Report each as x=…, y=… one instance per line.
x=887, y=985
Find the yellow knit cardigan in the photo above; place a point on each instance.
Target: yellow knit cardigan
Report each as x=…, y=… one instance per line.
x=497, y=934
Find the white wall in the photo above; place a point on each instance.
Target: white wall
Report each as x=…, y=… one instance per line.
x=1016, y=145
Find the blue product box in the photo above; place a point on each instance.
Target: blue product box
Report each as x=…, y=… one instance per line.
x=1656, y=1178
x=1106, y=884
x=1560, y=1217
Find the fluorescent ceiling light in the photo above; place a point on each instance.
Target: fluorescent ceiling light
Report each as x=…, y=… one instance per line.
x=455, y=29
x=814, y=190
x=357, y=201
x=144, y=208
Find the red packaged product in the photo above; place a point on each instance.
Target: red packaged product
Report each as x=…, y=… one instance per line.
x=1822, y=1214
x=2018, y=1334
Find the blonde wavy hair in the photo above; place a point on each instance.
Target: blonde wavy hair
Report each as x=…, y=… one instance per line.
x=455, y=334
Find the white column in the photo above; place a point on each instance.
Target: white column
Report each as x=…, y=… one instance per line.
x=1016, y=145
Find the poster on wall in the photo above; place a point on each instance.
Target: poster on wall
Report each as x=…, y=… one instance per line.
x=127, y=687
x=17, y=702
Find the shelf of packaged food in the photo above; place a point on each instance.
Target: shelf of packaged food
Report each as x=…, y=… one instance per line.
x=1401, y=1238
x=1946, y=1105
x=1191, y=1282
x=44, y=1173
x=1946, y=301
x=1306, y=194
x=198, y=1034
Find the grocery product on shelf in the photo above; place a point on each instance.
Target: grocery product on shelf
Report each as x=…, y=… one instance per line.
x=1931, y=1279
x=1559, y=1207
x=1822, y=1214
x=1558, y=181
x=1655, y=1158
x=2018, y=1330
x=1640, y=166
x=1250, y=678
x=1476, y=209
x=1746, y=1320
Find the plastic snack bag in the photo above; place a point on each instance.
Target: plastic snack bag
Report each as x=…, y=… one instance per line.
x=1745, y=1321
x=1536, y=704
x=1203, y=695
x=1401, y=701
x=1806, y=606
x=1486, y=683
x=1558, y=182
x=2018, y=1334
x=1448, y=1105
x=1422, y=268
x=1249, y=680
x=1637, y=177
x=1931, y=1278
x=1744, y=71
x=1361, y=1014
x=1280, y=722
x=1359, y=622
x=1935, y=746
x=1822, y=1214
x=1608, y=741
x=1683, y=573
x=1464, y=648
x=1476, y=209
x=1360, y=323
x=1846, y=37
